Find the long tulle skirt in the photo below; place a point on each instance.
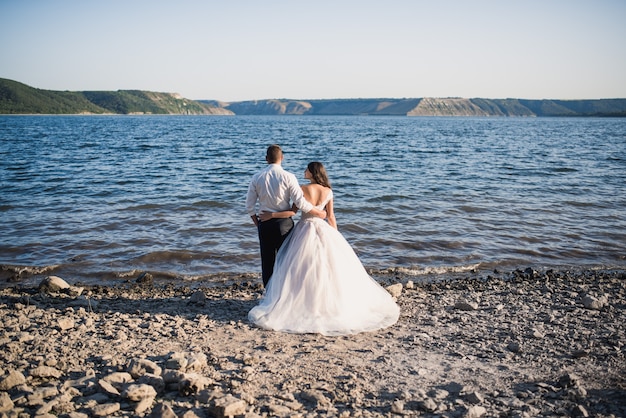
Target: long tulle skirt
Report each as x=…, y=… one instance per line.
x=320, y=286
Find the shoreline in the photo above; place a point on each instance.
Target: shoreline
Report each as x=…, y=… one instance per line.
x=30, y=276
x=522, y=343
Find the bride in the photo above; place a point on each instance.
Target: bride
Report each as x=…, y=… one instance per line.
x=319, y=284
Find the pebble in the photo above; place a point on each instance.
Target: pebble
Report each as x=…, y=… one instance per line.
x=466, y=306
x=146, y=351
x=395, y=289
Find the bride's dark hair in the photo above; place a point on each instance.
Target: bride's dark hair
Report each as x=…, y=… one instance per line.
x=318, y=172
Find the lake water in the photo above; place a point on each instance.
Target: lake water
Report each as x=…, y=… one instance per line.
x=103, y=198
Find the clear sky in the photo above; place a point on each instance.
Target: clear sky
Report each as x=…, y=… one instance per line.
x=235, y=50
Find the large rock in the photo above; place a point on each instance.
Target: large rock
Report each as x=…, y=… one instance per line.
x=465, y=305
x=228, y=406
x=6, y=404
x=11, y=380
x=192, y=383
x=108, y=388
x=138, y=392
x=475, y=411
x=53, y=284
x=45, y=371
x=196, y=362
x=105, y=409
x=65, y=323
x=162, y=410
x=118, y=380
x=177, y=361
x=591, y=302
x=139, y=367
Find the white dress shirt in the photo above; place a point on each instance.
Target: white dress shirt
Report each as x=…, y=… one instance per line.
x=275, y=189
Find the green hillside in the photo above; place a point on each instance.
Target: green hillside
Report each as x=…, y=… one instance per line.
x=18, y=98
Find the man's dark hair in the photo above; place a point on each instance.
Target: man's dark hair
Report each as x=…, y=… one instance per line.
x=274, y=154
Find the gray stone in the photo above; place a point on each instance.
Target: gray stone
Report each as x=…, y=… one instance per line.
x=438, y=394
x=428, y=405
x=75, y=291
x=172, y=376
x=206, y=396
x=75, y=414
x=53, y=284
x=580, y=411
x=45, y=392
x=466, y=306
x=580, y=353
x=192, y=414
x=280, y=410
x=568, y=380
x=228, y=406
x=137, y=392
x=162, y=410
x=145, y=278
x=45, y=371
x=143, y=405
x=46, y=408
x=139, y=367
x=14, y=378
x=196, y=362
x=395, y=290
x=397, y=407
x=105, y=409
x=475, y=411
x=514, y=347
x=474, y=397
x=118, y=379
x=316, y=397
x=65, y=323
x=156, y=382
x=108, y=388
x=197, y=297
x=537, y=334
x=591, y=302
x=6, y=404
x=177, y=361
x=192, y=383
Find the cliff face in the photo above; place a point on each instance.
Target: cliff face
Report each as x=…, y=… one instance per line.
x=269, y=107
x=447, y=107
x=432, y=107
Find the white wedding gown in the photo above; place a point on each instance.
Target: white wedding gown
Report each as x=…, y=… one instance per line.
x=320, y=286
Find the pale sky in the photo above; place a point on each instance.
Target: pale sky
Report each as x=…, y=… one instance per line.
x=234, y=50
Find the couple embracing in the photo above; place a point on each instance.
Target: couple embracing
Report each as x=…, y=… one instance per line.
x=314, y=282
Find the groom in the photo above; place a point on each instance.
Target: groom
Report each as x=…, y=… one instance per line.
x=275, y=189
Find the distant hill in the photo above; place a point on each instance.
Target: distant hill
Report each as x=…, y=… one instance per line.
x=18, y=98
x=429, y=107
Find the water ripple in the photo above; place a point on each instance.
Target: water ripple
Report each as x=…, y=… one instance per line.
x=106, y=196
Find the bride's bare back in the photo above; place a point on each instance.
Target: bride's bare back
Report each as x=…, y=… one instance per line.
x=315, y=193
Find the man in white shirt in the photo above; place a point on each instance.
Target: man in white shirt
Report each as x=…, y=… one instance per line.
x=275, y=189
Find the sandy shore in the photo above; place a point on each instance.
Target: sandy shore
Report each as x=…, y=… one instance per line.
x=518, y=344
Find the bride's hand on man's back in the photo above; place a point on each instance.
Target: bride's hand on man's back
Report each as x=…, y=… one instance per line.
x=265, y=216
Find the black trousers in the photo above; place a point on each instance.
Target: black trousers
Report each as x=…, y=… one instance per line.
x=272, y=233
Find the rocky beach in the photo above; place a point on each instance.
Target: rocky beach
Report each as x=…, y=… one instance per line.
x=524, y=343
